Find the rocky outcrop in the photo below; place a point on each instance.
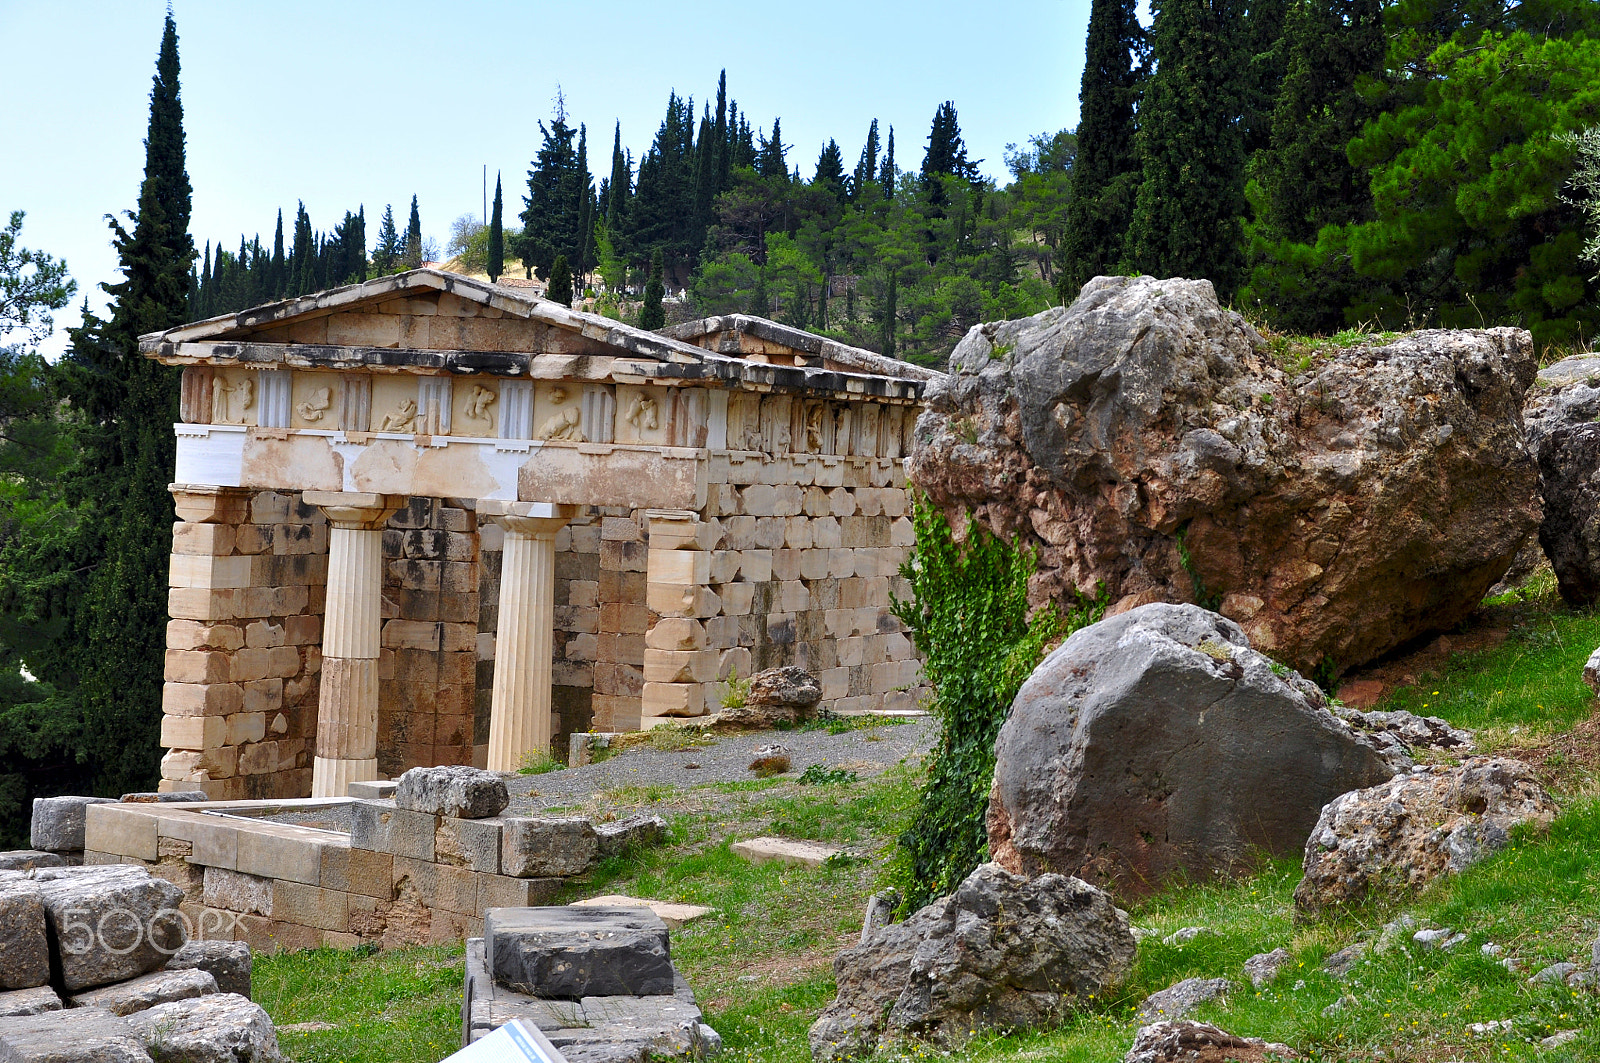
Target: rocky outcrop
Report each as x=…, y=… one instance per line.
x=1397, y=837
x=1198, y=1042
x=1001, y=951
x=1159, y=742
x=1149, y=445
x=1564, y=438
x=778, y=696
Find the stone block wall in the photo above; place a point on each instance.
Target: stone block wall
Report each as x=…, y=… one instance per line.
x=247, y=585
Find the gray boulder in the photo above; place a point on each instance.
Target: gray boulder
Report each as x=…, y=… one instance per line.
x=1398, y=836
x=1147, y=444
x=226, y=961
x=146, y=991
x=570, y=953
x=76, y=1035
x=35, y=1001
x=28, y=859
x=777, y=696
x=1188, y=1042
x=58, y=822
x=452, y=790
x=641, y=828
x=1157, y=743
x=1263, y=967
x=109, y=923
x=535, y=847
x=1564, y=438
x=1179, y=999
x=24, y=943
x=221, y=1028
x=1411, y=731
x=1001, y=951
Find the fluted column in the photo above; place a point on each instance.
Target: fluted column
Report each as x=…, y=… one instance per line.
x=519, y=714
x=347, y=706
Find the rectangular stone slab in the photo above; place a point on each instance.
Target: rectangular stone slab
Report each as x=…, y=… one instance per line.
x=784, y=851
x=24, y=947
x=57, y=825
x=571, y=953
x=78, y=1035
x=146, y=991
x=35, y=1001
x=110, y=923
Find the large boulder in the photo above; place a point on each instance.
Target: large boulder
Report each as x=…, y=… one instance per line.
x=106, y=923
x=1001, y=951
x=1158, y=742
x=1149, y=444
x=1564, y=438
x=455, y=790
x=219, y=1028
x=1397, y=837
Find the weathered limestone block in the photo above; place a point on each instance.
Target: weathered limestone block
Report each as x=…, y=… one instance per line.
x=456, y=791
x=221, y=1028
x=76, y=1035
x=639, y=829
x=228, y=962
x=58, y=822
x=110, y=923
x=146, y=991
x=572, y=953
x=1565, y=440
x=535, y=848
x=382, y=828
x=28, y=859
x=34, y=1001
x=469, y=843
x=24, y=945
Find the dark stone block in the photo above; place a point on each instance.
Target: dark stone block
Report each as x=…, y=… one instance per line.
x=571, y=953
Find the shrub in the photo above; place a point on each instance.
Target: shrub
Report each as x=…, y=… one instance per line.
x=969, y=617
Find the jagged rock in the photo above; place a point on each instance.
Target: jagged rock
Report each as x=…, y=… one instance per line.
x=454, y=790
x=35, y=1001
x=1591, y=672
x=778, y=696
x=1399, y=836
x=1180, y=998
x=1413, y=732
x=1001, y=951
x=1159, y=742
x=146, y=991
x=24, y=943
x=1199, y=1042
x=1145, y=441
x=1344, y=961
x=1564, y=438
x=1263, y=967
x=28, y=859
x=75, y=1035
x=641, y=828
x=221, y=1028
x=109, y=923
x=228, y=962
x=58, y=822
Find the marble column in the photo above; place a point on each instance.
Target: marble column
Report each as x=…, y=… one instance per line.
x=347, y=707
x=519, y=714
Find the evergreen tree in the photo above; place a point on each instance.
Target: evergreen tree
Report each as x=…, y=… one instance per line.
x=770, y=162
x=413, y=251
x=830, y=171
x=890, y=172
x=1188, y=219
x=581, y=254
x=114, y=605
x=661, y=215
x=497, y=245
x=387, y=255
x=619, y=186
x=302, y=255
x=276, y=281
x=651, y=315
x=720, y=137
x=560, y=288
x=947, y=153
x=551, y=219
x=1105, y=173
x=866, y=171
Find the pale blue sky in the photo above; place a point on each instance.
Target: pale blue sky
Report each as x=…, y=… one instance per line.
x=344, y=103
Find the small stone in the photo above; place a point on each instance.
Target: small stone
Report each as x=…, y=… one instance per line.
x=640, y=829
x=152, y=797
x=1433, y=938
x=880, y=913
x=1343, y=961
x=1264, y=966
x=221, y=1028
x=227, y=961
x=1555, y=974
x=771, y=760
x=28, y=859
x=146, y=991
x=58, y=822
x=785, y=851
x=674, y=915
x=1556, y=1040
x=1181, y=1042
x=453, y=790
x=24, y=943
x=1338, y=1006
x=35, y=1001
x=1491, y=950
x=1580, y=979
x=1186, y=935
x=1179, y=999
x=1393, y=933
x=1487, y=1029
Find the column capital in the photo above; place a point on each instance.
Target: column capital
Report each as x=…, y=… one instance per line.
x=539, y=519
x=354, y=510
x=205, y=504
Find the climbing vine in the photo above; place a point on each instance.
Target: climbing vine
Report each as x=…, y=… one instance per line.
x=969, y=617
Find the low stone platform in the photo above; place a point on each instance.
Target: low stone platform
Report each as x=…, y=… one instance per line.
x=785, y=851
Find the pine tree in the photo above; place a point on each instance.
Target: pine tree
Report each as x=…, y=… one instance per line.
x=560, y=288
x=1189, y=214
x=497, y=244
x=550, y=219
x=830, y=170
x=770, y=161
x=115, y=603
x=413, y=251
x=947, y=153
x=390, y=249
x=1105, y=174
x=651, y=315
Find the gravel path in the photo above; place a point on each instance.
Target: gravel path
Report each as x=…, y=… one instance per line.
x=866, y=751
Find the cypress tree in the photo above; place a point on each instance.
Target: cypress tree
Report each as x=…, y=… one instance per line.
x=115, y=599
x=947, y=153
x=413, y=253
x=719, y=134
x=275, y=282
x=891, y=310
x=560, y=289
x=581, y=254
x=830, y=170
x=1105, y=174
x=620, y=185
x=1188, y=219
x=497, y=241
x=890, y=173
x=770, y=158
x=390, y=248
x=866, y=170
x=651, y=315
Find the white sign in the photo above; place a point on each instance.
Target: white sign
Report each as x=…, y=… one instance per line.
x=518, y=1041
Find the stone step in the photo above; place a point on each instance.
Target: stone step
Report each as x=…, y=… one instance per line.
x=567, y=953
x=785, y=851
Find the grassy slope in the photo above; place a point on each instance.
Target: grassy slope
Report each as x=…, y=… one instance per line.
x=761, y=964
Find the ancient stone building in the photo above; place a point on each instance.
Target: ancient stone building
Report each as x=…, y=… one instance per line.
x=428, y=520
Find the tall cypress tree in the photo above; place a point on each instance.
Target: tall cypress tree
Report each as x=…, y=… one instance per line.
x=1105, y=174
x=890, y=173
x=276, y=281
x=1188, y=219
x=413, y=254
x=866, y=171
x=560, y=288
x=390, y=249
x=116, y=608
x=497, y=240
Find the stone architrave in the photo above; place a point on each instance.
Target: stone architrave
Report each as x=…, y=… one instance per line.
x=347, y=712
x=519, y=714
